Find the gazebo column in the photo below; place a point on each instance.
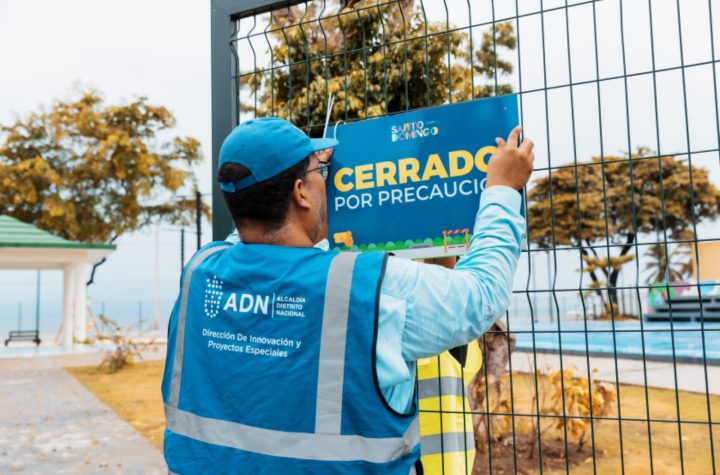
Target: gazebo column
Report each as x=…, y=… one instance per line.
x=68, y=325
x=80, y=309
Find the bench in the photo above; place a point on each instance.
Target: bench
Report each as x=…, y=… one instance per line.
x=23, y=335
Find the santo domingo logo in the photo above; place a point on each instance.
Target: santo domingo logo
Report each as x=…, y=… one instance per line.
x=213, y=295
x=412, y=130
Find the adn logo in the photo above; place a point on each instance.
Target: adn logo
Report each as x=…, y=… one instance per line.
x=412, y=130
x=213, y=295
x=248, y=303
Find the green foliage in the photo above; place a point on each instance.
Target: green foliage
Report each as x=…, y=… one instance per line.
x=601, y=204
x=375, y=59
x=87, y=171
x=615, y=203
x=675, y=264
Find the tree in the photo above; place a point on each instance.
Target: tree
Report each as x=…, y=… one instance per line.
x=591, y=207
x=375, y=59
x=91, y=172
x=667, y=266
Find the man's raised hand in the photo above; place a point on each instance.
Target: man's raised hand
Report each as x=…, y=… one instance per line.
x=511, y=165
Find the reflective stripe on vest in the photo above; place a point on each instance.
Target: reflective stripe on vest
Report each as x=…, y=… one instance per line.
x=180, y=336
x=443, y=386
x=299, y=445
x=326, y=443
x=448, y=442
x=332, y=345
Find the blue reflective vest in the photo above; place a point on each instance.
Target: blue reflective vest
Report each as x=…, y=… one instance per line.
x=271, y=366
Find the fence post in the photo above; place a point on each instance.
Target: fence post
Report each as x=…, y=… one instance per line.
x=182, y=248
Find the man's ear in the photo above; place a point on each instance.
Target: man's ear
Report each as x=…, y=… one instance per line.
x=301, y=194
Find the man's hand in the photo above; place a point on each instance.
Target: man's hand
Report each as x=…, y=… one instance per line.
x=511, y=165
x=324, y=155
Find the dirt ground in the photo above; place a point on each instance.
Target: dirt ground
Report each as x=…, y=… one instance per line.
x=616, y=448
x=503, y=461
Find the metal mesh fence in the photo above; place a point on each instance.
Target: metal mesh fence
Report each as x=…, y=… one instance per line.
x=607, y=358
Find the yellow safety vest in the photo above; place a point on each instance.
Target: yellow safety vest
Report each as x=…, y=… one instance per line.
x=448, y=441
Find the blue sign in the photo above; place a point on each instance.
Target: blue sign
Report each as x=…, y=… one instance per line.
x=410, y=183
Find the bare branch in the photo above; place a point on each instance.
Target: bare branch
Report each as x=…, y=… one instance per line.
x=98, y=264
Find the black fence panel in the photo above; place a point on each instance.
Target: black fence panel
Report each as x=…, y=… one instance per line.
x=608, y=358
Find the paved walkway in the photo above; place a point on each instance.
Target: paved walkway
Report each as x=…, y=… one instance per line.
x=49, y=423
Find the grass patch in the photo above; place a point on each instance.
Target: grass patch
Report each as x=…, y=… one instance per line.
x=133, y=393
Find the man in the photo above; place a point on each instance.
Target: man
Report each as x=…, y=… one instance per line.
x=283, y=357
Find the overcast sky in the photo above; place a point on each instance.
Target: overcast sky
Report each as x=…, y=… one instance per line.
x=160, y=49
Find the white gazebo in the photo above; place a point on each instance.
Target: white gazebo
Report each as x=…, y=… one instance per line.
x=23, y=246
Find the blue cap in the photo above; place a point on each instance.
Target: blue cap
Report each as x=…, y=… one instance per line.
x=267, y=147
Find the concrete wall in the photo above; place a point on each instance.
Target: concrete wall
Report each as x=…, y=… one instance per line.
x=709, y=258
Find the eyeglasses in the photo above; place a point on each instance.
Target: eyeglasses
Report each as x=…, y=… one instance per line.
x=324, y=169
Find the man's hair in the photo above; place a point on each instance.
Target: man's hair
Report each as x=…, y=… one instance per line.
x=267, y=202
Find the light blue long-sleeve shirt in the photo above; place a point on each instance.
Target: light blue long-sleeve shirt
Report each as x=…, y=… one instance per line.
x=427, y=309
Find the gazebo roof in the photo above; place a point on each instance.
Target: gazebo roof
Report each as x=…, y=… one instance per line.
x=23, y=246
x=15, y=233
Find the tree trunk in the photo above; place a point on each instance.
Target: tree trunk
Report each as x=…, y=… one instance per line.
x=497, y=346
x=615, y=273
x=594, y=278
